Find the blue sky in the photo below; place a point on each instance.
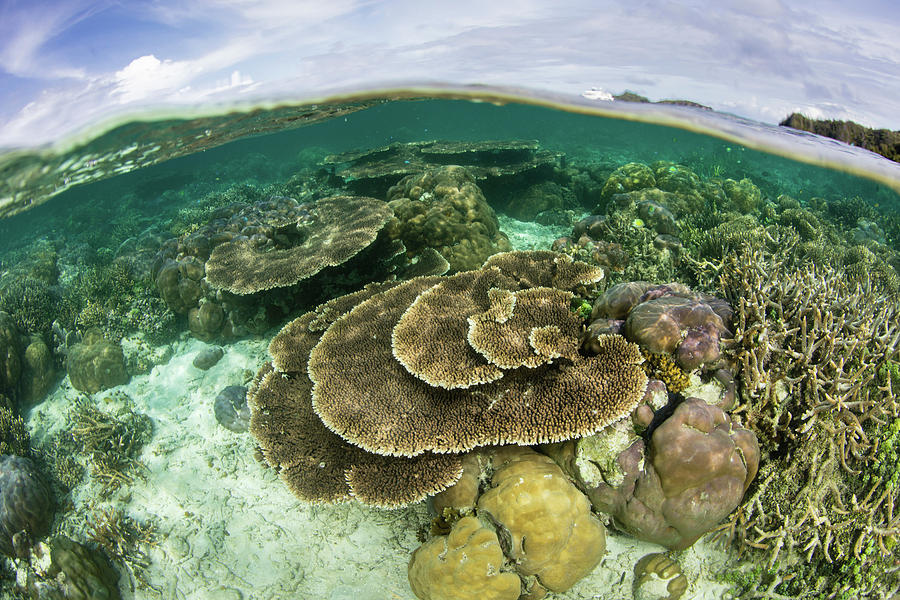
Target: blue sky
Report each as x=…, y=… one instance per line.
x=65, y=64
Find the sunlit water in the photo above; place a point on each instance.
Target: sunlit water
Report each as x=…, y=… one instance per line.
x=80, y=248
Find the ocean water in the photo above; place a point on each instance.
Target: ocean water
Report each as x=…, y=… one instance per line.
x=146, y=268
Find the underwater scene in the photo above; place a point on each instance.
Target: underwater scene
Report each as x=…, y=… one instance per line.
x=440, y=349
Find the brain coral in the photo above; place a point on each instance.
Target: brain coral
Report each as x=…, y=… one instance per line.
x=96, y=363
x=463, y=565
x=444, y=208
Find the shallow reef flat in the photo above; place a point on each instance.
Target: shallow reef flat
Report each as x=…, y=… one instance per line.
x=226, y=528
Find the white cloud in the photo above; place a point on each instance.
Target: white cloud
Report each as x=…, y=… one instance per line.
x=147, y=76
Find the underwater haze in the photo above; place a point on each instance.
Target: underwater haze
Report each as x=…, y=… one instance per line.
x=272, y=329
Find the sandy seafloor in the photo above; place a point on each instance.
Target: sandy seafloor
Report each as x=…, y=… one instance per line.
x=228, y=529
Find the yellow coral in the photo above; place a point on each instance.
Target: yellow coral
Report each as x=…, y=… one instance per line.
x=533, y=500
x=662, y=367
x=463, y=565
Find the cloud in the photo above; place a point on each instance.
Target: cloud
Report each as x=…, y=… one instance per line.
x=147, y=75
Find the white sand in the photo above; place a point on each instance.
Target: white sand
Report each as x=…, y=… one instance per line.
x=229, y=529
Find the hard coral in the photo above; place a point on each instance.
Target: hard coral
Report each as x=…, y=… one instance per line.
x=552, y=532
x=444, y=208
x=463, y=565
x=96, y=363
x=690, y=475
x=25, y=504
x=405, y=416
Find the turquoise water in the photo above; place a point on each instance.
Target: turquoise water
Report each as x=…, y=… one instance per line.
x=805, y=255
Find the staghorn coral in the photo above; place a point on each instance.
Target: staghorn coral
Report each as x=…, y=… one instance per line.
x=14, y=438
x=462, y=565
x=814, y=353
x=443, y=208
x=331, y=231
x=548, y=523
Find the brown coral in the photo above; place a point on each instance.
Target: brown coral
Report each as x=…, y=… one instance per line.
x=430, y=338
x=444, y=208
x=654, y=570
x=551, y=531
x=370, y=399
x=543, y=268
x=338, y=229
x=463, y=565
x=691, y=476
x=316, y=464
x=526, y=328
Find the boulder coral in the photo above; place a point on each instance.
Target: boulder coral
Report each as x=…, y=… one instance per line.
x=462, y=565
x=26, y=508
x=552, y=533
x=96, y=364
x=668, y=319
x=444, y=208
x=680, y=480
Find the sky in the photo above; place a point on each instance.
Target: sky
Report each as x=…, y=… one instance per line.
x=68, y=64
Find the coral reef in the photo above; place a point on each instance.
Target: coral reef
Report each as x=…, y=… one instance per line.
x=26, y=506
x=667, y=319
x=658, y=577
x=503, y=165
x=816, y=355
x=109, y=443
x=95, y=363
x=552, y=533
x=445, y=209
x=458, y=414
x=316, y=464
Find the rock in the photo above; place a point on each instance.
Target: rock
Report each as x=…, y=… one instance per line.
x=208, y=357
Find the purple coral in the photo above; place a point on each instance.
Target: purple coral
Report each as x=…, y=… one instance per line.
x=668, y=319
x=690, y=476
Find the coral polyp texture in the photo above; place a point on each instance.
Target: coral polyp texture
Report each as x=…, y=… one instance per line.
x=677, y=483
x=391, y=407
x=26, y=507
x=464, y=564
x=553, y=535
x=443, y=208
x=387, y=435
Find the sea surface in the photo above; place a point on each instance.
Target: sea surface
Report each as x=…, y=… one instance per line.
x=139, y=280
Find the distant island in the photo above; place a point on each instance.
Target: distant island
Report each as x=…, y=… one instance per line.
x=881, y=141
x=629, y=96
